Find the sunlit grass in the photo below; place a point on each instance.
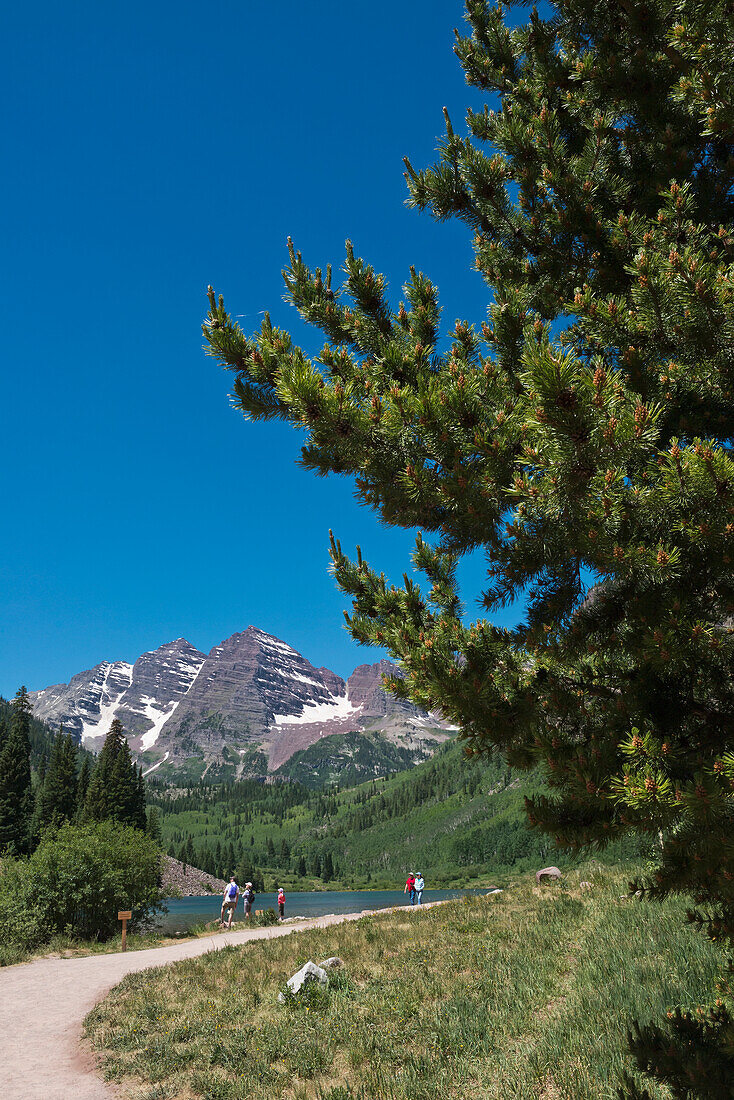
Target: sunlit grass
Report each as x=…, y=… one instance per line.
x=526, y=994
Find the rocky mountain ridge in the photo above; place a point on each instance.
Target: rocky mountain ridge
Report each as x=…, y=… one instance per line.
x=242, y=709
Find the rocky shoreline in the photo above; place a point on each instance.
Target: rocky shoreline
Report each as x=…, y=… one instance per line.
x=182, y=880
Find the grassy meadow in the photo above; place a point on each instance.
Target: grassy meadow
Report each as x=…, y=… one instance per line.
x=525, y=994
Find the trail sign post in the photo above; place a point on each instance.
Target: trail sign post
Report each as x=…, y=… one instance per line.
x=124, y=916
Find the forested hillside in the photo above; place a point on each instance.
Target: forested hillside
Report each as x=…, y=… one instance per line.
x=40, y=736
x=453, y=817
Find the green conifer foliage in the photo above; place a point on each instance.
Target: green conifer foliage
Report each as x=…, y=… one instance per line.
x=82, y=785
x=581, y=436
x=58, y=792
x=140, y=820
x=16, y=798
x=115, y=789
x=153, y=825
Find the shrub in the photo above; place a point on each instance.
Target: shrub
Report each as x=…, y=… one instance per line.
x=76, y=881
x=267, y=917
x=21, y=926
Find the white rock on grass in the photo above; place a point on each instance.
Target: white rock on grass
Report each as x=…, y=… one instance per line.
x=331, y=963
x=310, y=972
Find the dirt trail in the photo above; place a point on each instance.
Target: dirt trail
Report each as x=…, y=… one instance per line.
x=43, y=1004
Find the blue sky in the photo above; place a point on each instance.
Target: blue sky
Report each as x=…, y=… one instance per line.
x=153, y=149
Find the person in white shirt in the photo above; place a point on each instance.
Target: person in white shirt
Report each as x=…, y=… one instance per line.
x=229, y=901
x=419, y=885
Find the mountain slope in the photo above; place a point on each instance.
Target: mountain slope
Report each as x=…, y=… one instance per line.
x=453, y=817
x=245, y=708
x=143, y=696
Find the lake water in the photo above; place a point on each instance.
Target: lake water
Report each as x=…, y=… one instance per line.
x=183, y=912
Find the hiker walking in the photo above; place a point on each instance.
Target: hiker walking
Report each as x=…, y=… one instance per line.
x=281, y=902
x=229, y=901
x=248, y=898
x=410, y=887
x=419, y=885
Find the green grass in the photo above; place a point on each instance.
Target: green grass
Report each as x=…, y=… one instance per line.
x=522, y=996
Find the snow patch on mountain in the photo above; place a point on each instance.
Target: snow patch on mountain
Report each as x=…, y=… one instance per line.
x=159, y=712
x=158, y=716
x=157, y=764
x=96, y=725
x=338, y=707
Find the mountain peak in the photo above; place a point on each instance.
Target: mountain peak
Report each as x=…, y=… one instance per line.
x=246, y=706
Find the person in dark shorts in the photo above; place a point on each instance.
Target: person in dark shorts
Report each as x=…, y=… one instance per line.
x=281, y=902
x=248, y=897
x=229, y=901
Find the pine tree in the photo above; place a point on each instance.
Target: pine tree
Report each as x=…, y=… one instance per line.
x=581, y=437
x=16, y=796
x=140, y=820
x=116, y=789
x=82, y=785
x=153, y=825
x=244, y=872
x=58, y=794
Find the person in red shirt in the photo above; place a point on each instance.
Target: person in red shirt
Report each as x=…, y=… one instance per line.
x=281, y=902
x=410, y=887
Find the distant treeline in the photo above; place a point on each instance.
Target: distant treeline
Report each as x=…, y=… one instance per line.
x=453, y=814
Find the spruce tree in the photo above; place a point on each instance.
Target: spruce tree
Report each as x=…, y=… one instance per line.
x=140, y=820
x=82, y=785
x=580, y=435
x=153, y=825
x=58, y=793
x=116, y=789
x=122, y=786
x=16, y=796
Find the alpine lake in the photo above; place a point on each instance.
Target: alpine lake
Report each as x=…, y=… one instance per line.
x=182, y=913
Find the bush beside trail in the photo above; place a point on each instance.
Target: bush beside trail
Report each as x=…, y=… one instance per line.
x=75, y=882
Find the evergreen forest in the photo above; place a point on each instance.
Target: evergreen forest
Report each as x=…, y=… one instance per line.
x=457, y=819
x=76, y=844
